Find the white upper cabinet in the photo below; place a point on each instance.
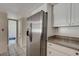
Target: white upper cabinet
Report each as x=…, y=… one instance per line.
x=61, y=14
x=75, y=14
x=66, y=14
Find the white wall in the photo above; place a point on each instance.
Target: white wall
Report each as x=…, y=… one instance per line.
x=20, y=32
x=22, y=28
x=24, y=36
x=51, y=30
x=3, y=34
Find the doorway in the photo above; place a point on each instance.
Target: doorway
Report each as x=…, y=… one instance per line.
x=12, y=36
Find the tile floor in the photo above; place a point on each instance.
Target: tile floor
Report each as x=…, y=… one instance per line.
x=16, y=51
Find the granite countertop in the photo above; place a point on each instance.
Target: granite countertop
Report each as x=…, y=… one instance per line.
x=70, y=42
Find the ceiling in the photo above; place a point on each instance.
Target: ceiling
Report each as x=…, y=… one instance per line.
x=16, y=10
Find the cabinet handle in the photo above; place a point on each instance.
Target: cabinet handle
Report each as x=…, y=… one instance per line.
x=77, y=53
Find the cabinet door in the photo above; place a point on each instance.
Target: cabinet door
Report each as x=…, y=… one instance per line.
x=75, y=14
x=61, y=14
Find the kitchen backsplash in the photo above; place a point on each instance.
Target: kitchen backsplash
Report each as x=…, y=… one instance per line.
x=68, y=31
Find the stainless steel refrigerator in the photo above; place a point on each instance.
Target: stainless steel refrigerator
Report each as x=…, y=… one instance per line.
x=37, y=34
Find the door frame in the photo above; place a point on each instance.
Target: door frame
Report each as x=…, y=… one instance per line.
x=16, y=30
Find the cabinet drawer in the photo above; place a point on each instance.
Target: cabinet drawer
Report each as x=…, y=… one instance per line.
x=53, y=52
x=63, y=49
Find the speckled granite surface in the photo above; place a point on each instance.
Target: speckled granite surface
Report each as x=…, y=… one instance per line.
x=70, y=42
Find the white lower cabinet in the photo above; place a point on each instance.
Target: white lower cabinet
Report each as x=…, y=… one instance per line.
x=53, y=52
x=58, y=50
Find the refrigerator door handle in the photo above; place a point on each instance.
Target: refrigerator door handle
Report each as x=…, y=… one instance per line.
x=27, y=33
x=31, y=32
